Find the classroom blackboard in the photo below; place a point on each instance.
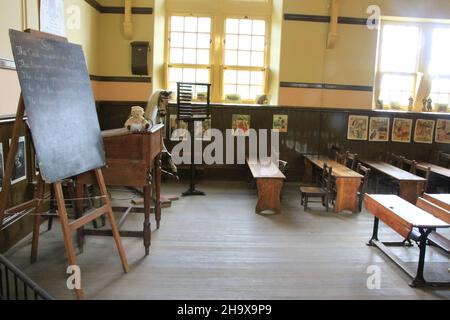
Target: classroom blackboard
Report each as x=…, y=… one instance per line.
x=59, y=105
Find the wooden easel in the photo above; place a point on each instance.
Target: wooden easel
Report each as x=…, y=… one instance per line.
x=36, y=204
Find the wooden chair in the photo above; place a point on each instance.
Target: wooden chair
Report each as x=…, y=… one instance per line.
x=396, y=161
x=351, y=160
x=364, y=184
x=324, y=191
x=424, y=172
x=408, y=165
x=443, y=159
x=283, y=166
x=340, y=158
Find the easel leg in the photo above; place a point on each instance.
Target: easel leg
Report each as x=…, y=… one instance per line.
x=79, y=209
x=66, y=231
x=39, y=194
x=147, y=223
x=112, y=220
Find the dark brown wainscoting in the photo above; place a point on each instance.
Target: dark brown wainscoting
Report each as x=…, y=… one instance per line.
x=311, y=131
x=21, y=191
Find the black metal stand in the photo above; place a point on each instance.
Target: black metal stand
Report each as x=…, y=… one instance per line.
x=192, y=191
x=418, y=277
x=192, y=113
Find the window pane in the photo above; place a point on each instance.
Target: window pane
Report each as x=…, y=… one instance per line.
x=230, y=89
x=243, y=77
x=190, y=24
x=185, y=40
x=231, y=57
x=176, y=39
x=189, y=56
x=230, y=76
x=204, y=25
x=244, y=92
x=175, y=74
x=258, y=43
x=189, y=75
x=257, y=78
x=257, y=59
x=244, y=58
x=202, y=76
x=231, y=42
x=440, y=52
x=232, y=26
x=203, y=40
x=176, y=55
x=202, y=56
x=440, y=91
x=255, y=91
x=259, y=27
x=177, y=24
x=399, y=48
x=396, y=89
x=190, y=40
x=245, y=42
x=245, y=26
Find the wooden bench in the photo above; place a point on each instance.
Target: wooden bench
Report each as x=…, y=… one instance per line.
x=411, y=186
x=435, y=238
x=404, y=218
x=348, y=182
x=269, y=182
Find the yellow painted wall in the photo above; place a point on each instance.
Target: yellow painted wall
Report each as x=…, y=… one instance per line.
x=114, y=55
x=22, y=14
x=305, y=58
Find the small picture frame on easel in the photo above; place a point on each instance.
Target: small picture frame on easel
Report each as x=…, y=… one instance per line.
x=20, y=162
x=2, y=166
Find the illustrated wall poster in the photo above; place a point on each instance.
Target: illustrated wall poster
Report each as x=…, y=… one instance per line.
x=52, y=17
x=401, y=130
x=241, y=125
x=175, y=134
x=424, y=131
x=280, y=122
x=201, y=130
x=20, y=162
x=443, y=131
x=379, y=129
x=357, y=127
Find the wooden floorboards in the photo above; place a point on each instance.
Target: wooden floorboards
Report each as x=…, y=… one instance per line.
x=216, y=247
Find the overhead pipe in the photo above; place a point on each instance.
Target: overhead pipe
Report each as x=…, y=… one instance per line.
x=128, y=22
x=333, y=33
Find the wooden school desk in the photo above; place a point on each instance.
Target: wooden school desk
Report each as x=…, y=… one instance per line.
x=411, y=186
x=404, y=217
x=269, y=181
x=347, y=182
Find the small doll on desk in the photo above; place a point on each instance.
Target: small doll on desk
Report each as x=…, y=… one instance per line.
x=137, y=123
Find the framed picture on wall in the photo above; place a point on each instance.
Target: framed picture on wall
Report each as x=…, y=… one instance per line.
x=202, y=130
x=20, y=162
x=280, y=122
x=379, y=129
x=52, y=17
x=2, y=167
x=443, y=131
x=357, y=127
x=178, y=130
x=240, y=124
x=424, y=131
x=401, y=130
